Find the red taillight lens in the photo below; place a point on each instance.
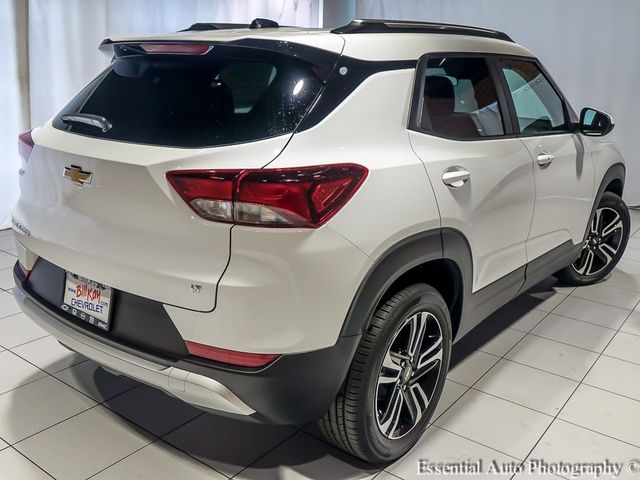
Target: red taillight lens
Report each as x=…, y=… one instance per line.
x=284, y=197
x=230, y=356
x=177, y=48
x=25, y=145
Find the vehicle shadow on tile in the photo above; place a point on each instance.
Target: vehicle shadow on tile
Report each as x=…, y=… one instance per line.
x=499, y=332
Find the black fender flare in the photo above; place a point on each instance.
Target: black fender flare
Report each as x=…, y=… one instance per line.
x=616, y=171
x=415, y=250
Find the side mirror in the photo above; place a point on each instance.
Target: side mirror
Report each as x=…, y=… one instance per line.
x=595, y=123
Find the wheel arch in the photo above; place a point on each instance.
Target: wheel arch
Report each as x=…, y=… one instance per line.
x=420, y=258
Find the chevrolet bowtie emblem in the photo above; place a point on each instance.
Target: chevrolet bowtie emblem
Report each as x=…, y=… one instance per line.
x=77, y=175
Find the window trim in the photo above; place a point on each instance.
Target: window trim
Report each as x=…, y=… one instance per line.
x=507, y=109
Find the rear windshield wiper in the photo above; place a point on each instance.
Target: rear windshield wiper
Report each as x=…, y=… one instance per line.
x=88, y=119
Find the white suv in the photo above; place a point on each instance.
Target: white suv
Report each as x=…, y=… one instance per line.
x=292, y=224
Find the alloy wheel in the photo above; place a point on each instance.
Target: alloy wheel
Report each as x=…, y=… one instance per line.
x=409, y=375
x=603, y=241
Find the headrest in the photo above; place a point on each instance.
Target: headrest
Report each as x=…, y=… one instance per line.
x=439, y=95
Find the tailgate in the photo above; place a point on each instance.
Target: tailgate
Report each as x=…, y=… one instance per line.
x=127, y=228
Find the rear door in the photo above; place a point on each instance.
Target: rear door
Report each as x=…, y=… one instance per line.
x=94, y=193
x=563, y=174
x=481, y=174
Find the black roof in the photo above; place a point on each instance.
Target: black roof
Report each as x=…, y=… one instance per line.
x=405, y=26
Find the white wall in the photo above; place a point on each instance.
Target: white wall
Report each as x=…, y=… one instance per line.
x=591, y=47
x=13, y=108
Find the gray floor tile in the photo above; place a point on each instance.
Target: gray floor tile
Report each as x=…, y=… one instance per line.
x=527, y=386
x=565, y=442
x=6, y=278
x=617, y=376
x=604, y=412
x=624, y=346
x=224, y=444
x=496, y=423
x=452, y=392
x=8, y=305
x=630, y=267
x=14, y=466
x=603, y=293
x=555, y=357
x=94, y=381
x=47, y=354
x=467, y=365
x=592, y=312
x=540, y=300
x=6, y=260
x=7, y=242
x=84, y=444
x=502, y=342
x=14, y=371
x=440, y=446
x=38, y=405
x=632, y=325
x=152, y=409
x=304, y=457
x=574, y=332
x=159, y=461
x=517, y=317
x=18, y=329
x=625, y=281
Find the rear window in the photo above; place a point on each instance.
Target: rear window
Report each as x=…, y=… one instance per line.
x=229, y=95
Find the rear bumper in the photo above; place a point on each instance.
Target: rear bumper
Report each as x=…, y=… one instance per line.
x=295, y=389
x=188, y=386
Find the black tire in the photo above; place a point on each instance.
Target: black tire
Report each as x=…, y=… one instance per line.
x=601, y=246
x=352, y=423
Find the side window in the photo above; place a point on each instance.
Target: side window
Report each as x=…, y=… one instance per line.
x=538, y=106
x=460, y=99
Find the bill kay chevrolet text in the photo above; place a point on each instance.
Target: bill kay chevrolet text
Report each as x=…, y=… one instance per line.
x=291, y=225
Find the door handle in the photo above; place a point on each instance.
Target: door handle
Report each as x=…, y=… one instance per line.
x=456, y=177
x=544, y=159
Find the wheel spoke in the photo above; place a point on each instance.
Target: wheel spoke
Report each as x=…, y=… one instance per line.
x=608, y=251
x=431, y=354
x=391, y=369
x=427, y=363
x=595, y=223
x=418, y=325
x=611, y=229
x=391, y=417
x=586, y=262
x=416, y=401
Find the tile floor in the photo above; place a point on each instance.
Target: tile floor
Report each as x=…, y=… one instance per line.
x=553, y=375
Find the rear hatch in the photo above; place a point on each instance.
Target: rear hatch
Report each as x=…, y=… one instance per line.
x=113, y=217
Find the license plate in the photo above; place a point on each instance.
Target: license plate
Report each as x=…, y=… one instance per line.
x=88, y=300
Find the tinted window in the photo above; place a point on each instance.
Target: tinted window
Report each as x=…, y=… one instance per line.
x=460, y=99
x=227, y=96
x=538, y=107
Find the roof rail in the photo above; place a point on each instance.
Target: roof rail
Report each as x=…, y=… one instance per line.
x=402, y=26
x=256, y=23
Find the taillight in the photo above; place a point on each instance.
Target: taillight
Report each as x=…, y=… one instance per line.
x=283, y=197
x=230, y=356
x=25, y=145
x=177, y=48
x=25, y=272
